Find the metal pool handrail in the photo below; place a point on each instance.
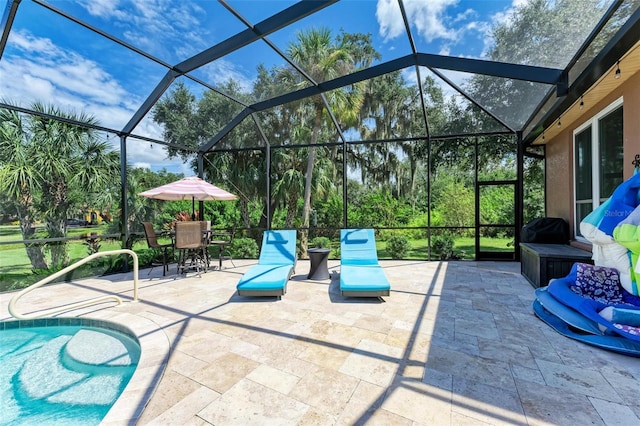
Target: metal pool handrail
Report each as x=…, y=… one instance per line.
x=14, y=299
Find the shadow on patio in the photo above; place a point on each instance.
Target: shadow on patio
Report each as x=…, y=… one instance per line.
x=456, y=342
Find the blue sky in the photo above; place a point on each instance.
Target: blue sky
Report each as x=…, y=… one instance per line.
x=52, y=60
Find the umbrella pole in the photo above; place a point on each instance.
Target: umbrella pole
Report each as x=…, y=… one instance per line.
x=193, y=208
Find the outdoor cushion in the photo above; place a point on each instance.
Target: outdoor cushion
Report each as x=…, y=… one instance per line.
x=570, y=316
x=608, y=342
x=368, y=278
x=360, y=273
x=629, y=317
x=598, y=283
x=358, y=247
x=627, y=234
x=598, y=227
x=275, y=266
x=561, y=290
x=265, y=278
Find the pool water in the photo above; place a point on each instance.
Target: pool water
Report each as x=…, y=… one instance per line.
x=63, y=375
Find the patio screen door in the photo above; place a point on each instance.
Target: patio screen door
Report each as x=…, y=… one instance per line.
x=496, y=220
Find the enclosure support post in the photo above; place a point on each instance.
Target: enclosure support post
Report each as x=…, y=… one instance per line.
x=428, y=197
x=344, y=184
x=268, y=176
x=124, y=208
x=519, y=194
x=200, y=158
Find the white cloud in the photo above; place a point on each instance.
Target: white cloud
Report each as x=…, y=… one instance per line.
x=35, y=69
x=467, y=14
x=38, y=70
x=389, y=19
x=103, y=8
x=506, y=16
x=221, y=71
x=170, y=30
x=141, y=165
x=410, y=76
x=445, y=50
x=456, y=77
x=142, y=152
x=427, y=17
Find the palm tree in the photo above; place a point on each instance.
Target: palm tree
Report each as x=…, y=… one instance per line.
x=19, y=180
x=52, y=166
x=322, y=58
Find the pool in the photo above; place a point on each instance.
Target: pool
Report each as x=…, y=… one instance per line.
x=63, y=371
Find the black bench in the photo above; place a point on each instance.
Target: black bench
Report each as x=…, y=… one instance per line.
x=539, y=263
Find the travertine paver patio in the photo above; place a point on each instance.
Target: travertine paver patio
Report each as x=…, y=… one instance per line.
x=455, y=343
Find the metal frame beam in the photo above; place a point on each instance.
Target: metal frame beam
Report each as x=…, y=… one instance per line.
x=7, y=22
x=130, y=47
x=273, y=23
x=622, y=42
x=492, y=68
x=233, y=43
x=514, y=71
x=471, y=99
x=414, y=50
x=517, y=72
x=226, y=129
x=588, y=41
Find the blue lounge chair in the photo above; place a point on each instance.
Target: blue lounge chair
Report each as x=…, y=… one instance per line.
x=275, y=266
x=360, y=273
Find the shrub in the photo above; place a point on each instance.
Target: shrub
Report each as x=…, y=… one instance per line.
x=244, y=248
x=443, y=245
x=398, y=247
x=320, y=242
x=146, y=257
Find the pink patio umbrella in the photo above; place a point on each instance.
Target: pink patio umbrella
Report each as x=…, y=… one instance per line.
x=187, y=188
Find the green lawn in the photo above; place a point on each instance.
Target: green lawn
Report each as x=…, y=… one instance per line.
x=16, y=270
x=463, y=247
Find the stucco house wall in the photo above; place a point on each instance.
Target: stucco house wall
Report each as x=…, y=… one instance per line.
x=559, y=150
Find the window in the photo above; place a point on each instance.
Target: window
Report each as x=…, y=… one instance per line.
x=598, y=160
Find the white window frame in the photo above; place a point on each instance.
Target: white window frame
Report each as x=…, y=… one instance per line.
x=595, y=161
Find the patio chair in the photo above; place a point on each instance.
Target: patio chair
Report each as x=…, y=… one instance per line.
x=275, y=266
x=152, y=243
x=360, y=273
x=205, y=229
x=191, y=246
x=223, y=239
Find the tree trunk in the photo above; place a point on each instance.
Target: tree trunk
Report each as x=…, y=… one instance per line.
x=412, y=187
x=263, y=217
x=306, y=206
x=56, y=228
x=28, y=230
x=292, y=209
x=334, y=157
x=244, y=213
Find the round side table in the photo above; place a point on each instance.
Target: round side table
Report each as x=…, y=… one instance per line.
x=318, y=258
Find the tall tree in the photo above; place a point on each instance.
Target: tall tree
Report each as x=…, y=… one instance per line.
x=324, y=58
x=192, y=123
x=540, y=33
x=19, y=180
x=58, y=164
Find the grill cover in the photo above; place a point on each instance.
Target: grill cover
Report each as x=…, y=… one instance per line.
x=546, y=230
